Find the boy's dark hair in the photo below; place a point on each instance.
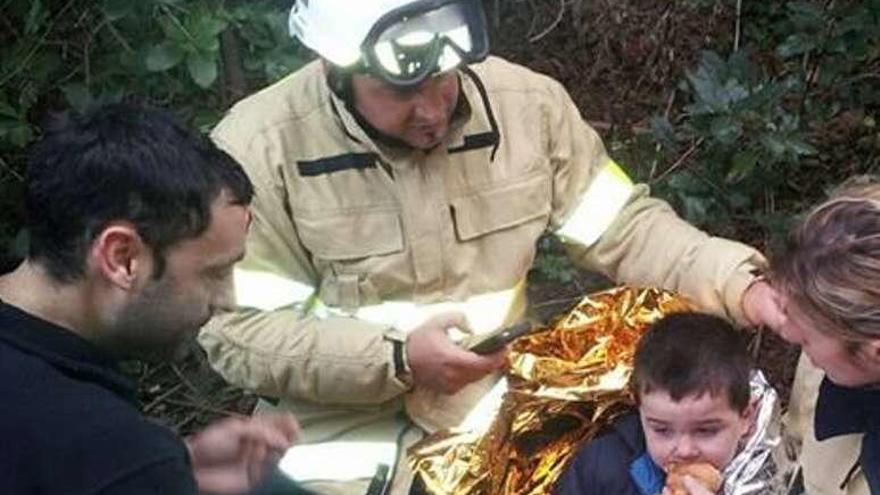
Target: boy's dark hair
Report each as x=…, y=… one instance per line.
x=688, y=354
x=122, y=162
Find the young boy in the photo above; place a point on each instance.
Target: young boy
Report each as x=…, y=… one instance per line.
x=692, y=383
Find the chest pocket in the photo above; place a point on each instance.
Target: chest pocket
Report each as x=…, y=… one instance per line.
x=351, y=235
x=502, y=207
x=345, y=246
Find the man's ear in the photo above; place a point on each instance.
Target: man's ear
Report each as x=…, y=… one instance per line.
x=119, y=254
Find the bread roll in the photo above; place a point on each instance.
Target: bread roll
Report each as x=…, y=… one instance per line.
x=702, y=472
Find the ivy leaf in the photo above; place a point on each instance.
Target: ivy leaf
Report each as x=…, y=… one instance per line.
x=205, y=119
x=163, y=56
x=696, y=208
x=713, y=95
x=663, y=131
x=19, y=246
x=202, y=69
x=205, y=29
x=7, y=110
x=281, y=62
x=801, y=147
x=173, y=30
x=16, y=132
x=743, y=164
x=726, y=129
x=773, y=144
x=78, y=96
x=796, y=44
x=806, y=16
x=35, y=17
x=117, y=9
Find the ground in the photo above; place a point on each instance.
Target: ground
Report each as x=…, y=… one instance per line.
x=621, y=62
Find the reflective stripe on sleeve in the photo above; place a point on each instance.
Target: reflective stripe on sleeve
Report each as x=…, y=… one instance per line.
x=480, y=418
x=599, y=206
x=337, y=461
x=268, y=291
x=484, y=312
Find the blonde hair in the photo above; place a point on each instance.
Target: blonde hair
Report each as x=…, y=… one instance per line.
x=830, y=268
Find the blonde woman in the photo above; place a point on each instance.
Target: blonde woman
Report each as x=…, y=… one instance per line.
x=828, y=280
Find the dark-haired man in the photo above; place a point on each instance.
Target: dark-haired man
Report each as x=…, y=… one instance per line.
x=135, y=225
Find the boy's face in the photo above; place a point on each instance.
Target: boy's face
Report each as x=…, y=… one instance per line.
x=697, y=428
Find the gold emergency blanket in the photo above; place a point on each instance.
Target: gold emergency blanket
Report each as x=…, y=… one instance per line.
x=565, y=383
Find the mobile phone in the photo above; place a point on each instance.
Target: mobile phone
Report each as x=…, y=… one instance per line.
x=494, y=341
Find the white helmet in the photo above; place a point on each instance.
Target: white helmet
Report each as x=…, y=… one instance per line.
x=401, y=41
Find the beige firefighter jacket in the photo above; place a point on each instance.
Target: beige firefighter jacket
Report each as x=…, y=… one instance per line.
x=354, y=242
x=828, y=466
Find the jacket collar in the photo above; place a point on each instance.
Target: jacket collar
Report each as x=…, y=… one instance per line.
x=646, y=475
x=64, y=350
x=473, y=123
x=845, y=411
x=629, y=429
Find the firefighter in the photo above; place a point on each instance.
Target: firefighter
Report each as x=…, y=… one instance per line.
x=402, y=181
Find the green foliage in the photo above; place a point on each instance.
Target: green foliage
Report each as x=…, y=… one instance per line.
x=762, y=132
x=751, y=133
x=741, y=135
x=170, y=52
x=551, y=263
x=195, y=56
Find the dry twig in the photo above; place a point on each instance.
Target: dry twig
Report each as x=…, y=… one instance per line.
x=192, y=388
x=36, y=47
x=195, y=404
x=161, y=398
x=11, y=171
x=690, y=151
x=738, y=29
x=553, y=25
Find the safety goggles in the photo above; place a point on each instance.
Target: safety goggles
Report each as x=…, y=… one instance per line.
x=409, y=44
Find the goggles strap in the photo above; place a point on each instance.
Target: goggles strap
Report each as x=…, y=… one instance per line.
x=484, y=96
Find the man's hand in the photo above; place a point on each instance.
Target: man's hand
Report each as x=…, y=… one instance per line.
x=233, y=455
x=762, y=305
x=438, y=364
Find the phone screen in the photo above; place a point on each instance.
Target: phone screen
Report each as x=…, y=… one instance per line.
x=494, y=341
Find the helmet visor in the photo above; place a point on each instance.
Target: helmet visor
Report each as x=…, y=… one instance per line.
x=409, y=44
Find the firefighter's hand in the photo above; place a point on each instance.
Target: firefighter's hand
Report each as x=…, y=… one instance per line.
x=762, y=305
x=439, y=364
x=233, y=455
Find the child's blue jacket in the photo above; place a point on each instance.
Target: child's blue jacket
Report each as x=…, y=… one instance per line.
x=614, y=463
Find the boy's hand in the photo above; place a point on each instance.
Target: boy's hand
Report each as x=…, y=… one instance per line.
x=693, y=487
x=233, y=455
